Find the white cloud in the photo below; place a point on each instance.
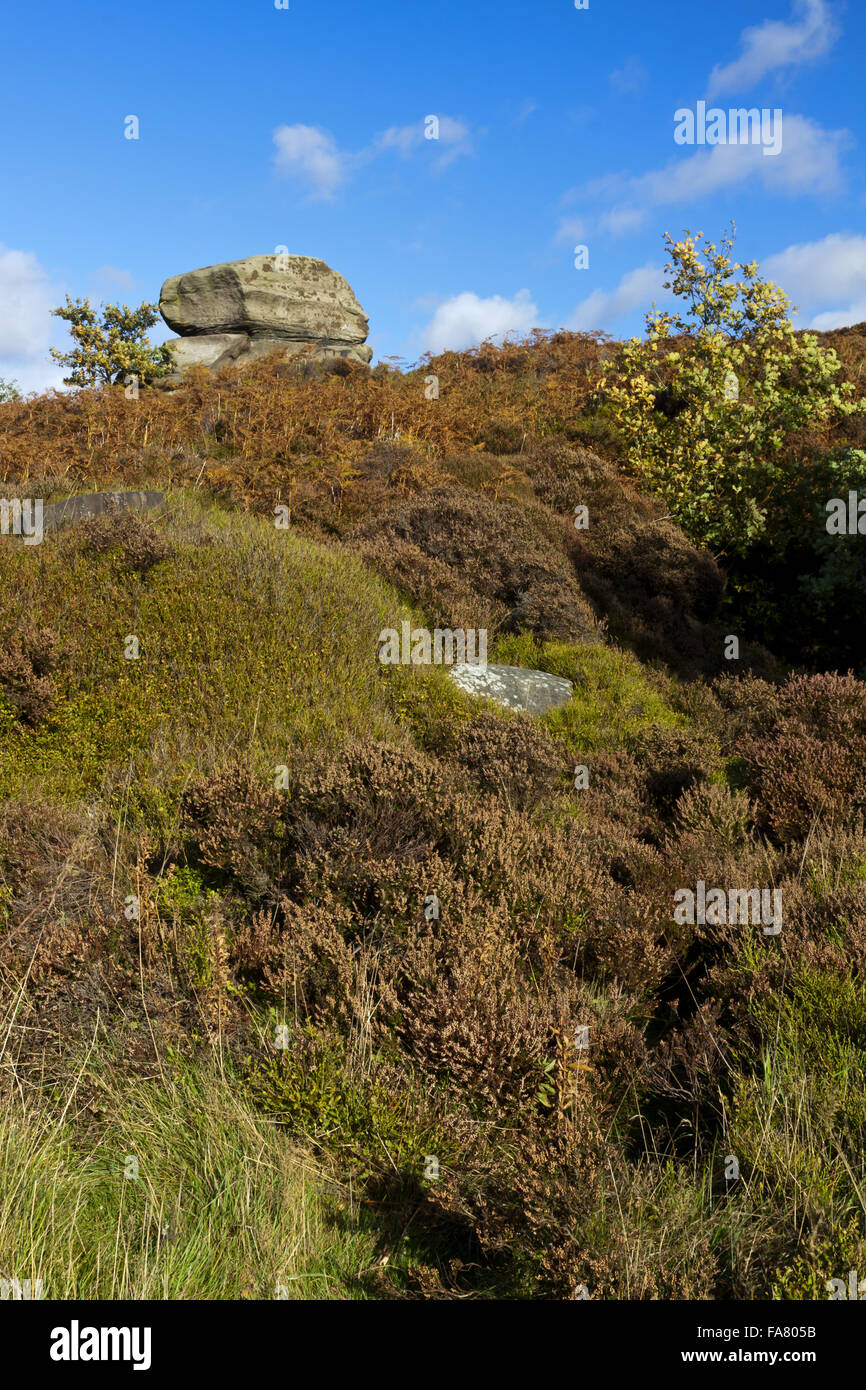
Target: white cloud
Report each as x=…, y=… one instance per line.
x=777, y=43
x=631, y=79
x=570, y=229
x=466, y=319
x=312, y=155
x=839, y=318
x=452, y=139
x=29, y=374
x=808, y=162
x=636, y=290
x=26, y=299
x=26, y=326
x=815, y=274
x=618, y=221
x=308, y=153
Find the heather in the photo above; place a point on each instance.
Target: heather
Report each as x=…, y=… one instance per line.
x=217, y=952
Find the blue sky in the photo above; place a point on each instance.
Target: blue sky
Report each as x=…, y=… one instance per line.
x=305, y=127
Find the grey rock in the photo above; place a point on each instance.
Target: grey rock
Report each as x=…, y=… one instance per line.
x=242, y=310
x=207, y=349
x=239, y=349
x=514, y=686
x=97, y=504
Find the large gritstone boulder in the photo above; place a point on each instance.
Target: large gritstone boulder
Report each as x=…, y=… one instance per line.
x=239, y=311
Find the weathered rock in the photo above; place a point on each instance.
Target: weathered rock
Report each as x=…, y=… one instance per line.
x=239, y=349
x=96, y=504
x=207, y=349
x=533, y=691
x=240, y=311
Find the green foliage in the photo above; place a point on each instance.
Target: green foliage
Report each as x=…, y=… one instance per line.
x=281, y=640
x=310, y=1087
x=799, y=1102
x=112, y=349
x=177, y=1190
x=9, y=391
x=614, y=697
x=790, y=589
x=720, y=461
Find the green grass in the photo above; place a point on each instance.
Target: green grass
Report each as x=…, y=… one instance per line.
x=614, y=699
x=175, y=1190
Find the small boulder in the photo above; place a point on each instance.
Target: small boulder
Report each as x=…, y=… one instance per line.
x=97, y=504
x=513, y=686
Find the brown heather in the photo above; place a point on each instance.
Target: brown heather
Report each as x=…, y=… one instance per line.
x=166, y=908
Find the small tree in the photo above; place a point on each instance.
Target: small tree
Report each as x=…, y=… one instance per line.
x=736, y=384
x=9, y=391
x=115, y=348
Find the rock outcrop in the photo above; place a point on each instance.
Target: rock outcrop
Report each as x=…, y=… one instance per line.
x=240, y=311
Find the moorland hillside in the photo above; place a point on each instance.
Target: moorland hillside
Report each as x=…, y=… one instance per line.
x=217, y=858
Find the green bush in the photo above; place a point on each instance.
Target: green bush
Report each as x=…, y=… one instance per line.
x=708, y=402
x=113, y=350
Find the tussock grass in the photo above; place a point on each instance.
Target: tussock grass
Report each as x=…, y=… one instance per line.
x=168, y=1187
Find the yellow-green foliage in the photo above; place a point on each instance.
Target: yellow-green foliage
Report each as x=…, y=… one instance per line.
x=115, y=349
x=249, y=636
x=720, y=461
x=614, y=697
x=310, y=1087
x=177, y=1191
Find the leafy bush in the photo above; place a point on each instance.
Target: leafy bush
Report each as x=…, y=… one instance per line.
x=114, y=349
x=707, y=403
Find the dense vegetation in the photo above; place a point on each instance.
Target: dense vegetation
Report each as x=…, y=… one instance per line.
x=215, y=957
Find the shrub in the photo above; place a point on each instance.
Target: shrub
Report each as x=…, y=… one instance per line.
x=237, y=825
x=811, y=763
x=512, y=757
x=509, y=555
x=137, y=541
x=715, y=814
x=28, y=657
x=656, y=590
x=720, y=462
x=115, y=348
